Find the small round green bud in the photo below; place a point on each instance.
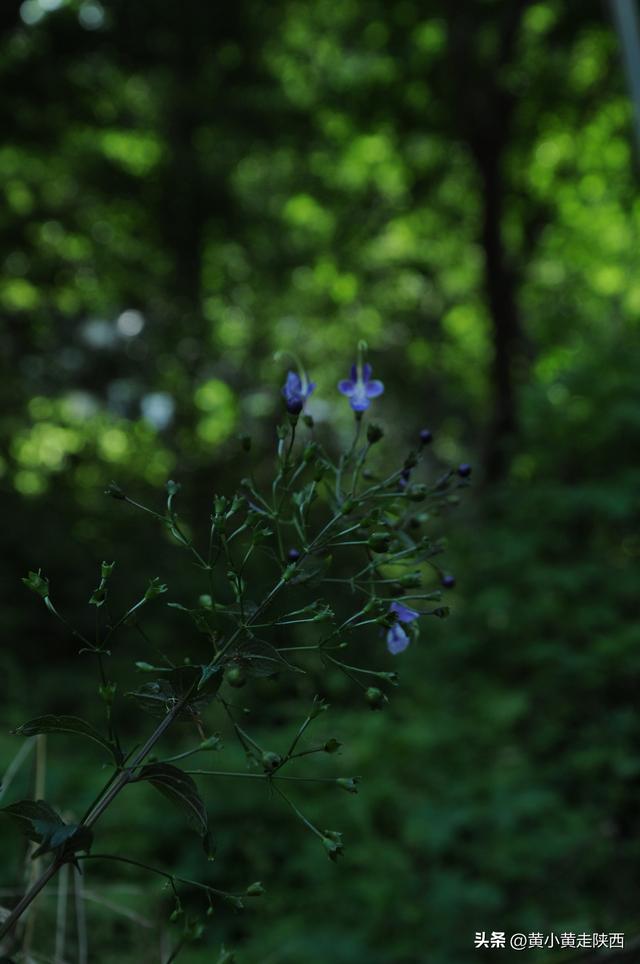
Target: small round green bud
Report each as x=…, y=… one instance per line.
x=236, y=676
x=347, y=506
x=374, y=433
x=375, y=698
x=271, y=761
x=255, y=890
x=417, y=493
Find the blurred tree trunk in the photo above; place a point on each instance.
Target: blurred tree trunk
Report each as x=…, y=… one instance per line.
x=487, y=107
x=501, y=290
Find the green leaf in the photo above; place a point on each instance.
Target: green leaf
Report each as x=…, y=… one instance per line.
x=311, y=571
x=67, y=724
x=159, y=696
x=39, y=822
x=259, y=658
x=180, y=788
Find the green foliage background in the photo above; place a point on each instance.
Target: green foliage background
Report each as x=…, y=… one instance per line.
x=188, y=189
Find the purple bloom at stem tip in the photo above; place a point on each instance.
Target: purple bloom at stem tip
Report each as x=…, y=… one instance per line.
x=361, y=387
x=296, y=391
x=397, y=638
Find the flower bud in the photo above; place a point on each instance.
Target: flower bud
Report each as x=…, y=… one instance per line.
x=114, y=490
x=271, y=761
x=38, y=583
x=350, y=784
x=375, y=698
x=379, y=541
x=236, y=902
x=236, y=676
x=374, y=433
x=417, y=493
x=331, y=840
x=347, y=506
x=317, y=707
x=294, y=406
x=332, y=745
x=310, y=452
x=107, y=693
x=255, y=890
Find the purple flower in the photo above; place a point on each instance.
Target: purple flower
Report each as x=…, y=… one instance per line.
x=296, y=391
x=361, y=387
x=397, y=638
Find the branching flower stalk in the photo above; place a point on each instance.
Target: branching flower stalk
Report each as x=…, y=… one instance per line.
x=346, y=545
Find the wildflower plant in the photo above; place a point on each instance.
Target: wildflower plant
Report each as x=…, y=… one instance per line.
x=350, y=560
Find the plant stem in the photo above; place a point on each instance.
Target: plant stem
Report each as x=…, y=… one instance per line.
x=111, y=791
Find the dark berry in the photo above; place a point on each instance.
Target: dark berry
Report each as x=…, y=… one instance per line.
x=293, y=555
x=448, y=581
x=464, y=470
x=425, y=436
